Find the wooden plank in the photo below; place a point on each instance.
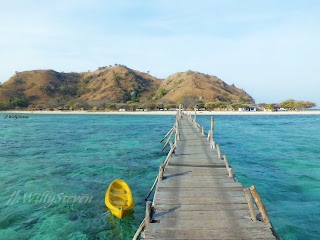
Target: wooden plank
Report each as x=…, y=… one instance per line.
x=208, y=224
x=209, y=165
x=191, y=194
x=197, y=161
x=196, y=215
x=209, y=234
x=198, y=190
x=183, y=175
x=198, y=179
x=191, y=184
x=175, y=169
x=200, y=200
x=208, y=208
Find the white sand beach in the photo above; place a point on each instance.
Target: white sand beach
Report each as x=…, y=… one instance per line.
x=315, y=112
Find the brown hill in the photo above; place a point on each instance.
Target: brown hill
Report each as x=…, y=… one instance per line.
x=108, y=84
x=117, y=84
x=39, y=86
x=202, y=86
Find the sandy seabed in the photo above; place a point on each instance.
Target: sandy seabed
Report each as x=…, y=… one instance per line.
x=316, y=112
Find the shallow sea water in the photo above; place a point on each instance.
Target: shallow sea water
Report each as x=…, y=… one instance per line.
x=63, y=156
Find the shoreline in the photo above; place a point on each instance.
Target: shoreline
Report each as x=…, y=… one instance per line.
x=315, y=112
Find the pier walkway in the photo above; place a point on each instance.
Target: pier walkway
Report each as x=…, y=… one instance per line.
x=197, y=195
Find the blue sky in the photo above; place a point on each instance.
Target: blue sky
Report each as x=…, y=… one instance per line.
x=268, y=48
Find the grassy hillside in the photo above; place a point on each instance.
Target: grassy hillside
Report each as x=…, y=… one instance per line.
x=114, y=85
x=202, y=86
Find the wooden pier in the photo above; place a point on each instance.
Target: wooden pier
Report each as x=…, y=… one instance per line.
x=197, y=195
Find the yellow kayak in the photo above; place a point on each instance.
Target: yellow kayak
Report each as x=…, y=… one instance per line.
x=119, y=198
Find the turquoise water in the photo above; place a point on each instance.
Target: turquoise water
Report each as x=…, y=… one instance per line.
x=77, y=157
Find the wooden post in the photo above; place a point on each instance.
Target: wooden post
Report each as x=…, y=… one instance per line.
x=202, y=131
x=213, y=145
x=231, y=173
x=209, y=136
x=148, y=212
x=161, y=169
x=195, y=116
x=226, y=161
x=212, y=121
x=259, y=203
x=250, y=203
x=219, y=151
x=177, y=132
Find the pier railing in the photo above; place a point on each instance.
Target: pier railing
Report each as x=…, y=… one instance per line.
x=173, y=130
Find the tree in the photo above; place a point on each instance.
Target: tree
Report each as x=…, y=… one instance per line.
x=20, y=102
x=290, y=104
x=210, y=105
x=200, y=104
x=310, y=104
x=134, y=99
x=150, y=106
x=304, y=105
x=70, y=103
x=4, y=106
x=238, y=105
x=222, y=104
x=269, y=107
x=293, y=104
x=159, y=105
x=162, y=92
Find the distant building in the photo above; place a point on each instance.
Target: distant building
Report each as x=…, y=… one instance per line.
x=250, y=108
x=122, y=110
